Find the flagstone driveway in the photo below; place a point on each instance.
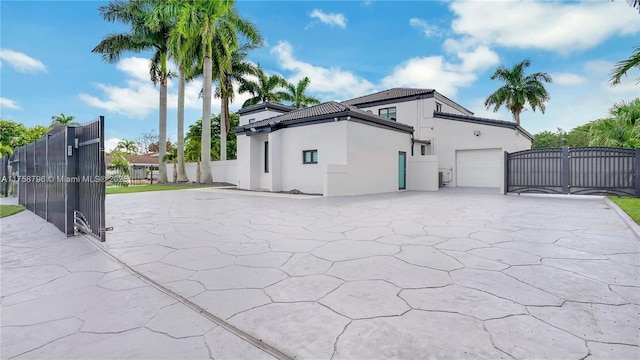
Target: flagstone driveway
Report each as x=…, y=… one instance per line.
x=453, y=274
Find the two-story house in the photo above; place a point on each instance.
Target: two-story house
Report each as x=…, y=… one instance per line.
x=387, y=141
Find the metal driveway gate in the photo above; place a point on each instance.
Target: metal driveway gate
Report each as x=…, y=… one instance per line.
x=587, y=171
x=61, y=178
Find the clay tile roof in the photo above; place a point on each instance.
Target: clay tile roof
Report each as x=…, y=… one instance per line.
x=388, y=94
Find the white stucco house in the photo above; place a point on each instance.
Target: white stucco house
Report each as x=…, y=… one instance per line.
x=387, y=141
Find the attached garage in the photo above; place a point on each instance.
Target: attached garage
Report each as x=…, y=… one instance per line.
x=479, y=167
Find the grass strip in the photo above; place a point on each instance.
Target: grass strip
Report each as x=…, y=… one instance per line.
x=8, y=210
x=630, y=205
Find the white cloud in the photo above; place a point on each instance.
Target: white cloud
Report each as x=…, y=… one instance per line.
x=9, y=104
x=553, y=26
x=138, y=97
x=426, y=28
x=110, y=144
x=332, y=83
x=568, y=79
x=479, y=59
x=331, y=19
x=569, y=108
x=135, y=67
x=136, y=100
x=437, y=73
x=21, y=61
x=429, y=72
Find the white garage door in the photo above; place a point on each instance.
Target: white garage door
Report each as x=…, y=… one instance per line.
x=479, y=168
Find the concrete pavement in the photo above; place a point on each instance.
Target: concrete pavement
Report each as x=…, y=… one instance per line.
x=63, y=298
x=454, y=274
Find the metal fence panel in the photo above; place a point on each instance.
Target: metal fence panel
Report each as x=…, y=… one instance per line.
x=56, y=194
x=536, y=170
x=61, y=178
x=91, y=170
x=590, y=170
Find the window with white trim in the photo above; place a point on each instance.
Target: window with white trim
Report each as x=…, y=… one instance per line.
x=438, y=107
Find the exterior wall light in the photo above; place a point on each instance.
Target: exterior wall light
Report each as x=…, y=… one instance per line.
x=476, y=132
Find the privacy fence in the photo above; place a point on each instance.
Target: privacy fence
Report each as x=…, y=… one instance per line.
x=61, y=178
x=587, y=170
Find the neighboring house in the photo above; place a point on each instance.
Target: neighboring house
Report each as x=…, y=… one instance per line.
x=391, y=140
x=139, y=165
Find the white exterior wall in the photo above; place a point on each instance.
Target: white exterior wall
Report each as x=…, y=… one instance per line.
x=250, y=153
x=222, y=171
x=419, y=114
x=330, y=141
x=422, y=173
x=372, y=156
x=451, y=135
x=372, y=162
x=258, y=115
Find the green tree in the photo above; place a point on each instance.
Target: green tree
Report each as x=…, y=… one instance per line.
x=622, y=129
x=63, y=119
x=519, y=89
x=547, y=139
x=185, y=52
x=296, y=94
x=579, y=136
x=193, y=138
x=10, y=132
x=32, y=134
x=230, y=65
x=266, y=88
x=5, y=150
x=141, y=37
x=201, y=20
x=13, y=134
x=624, y=66
x=127, y=146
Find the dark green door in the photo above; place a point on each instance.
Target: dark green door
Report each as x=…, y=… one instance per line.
x=402, y=170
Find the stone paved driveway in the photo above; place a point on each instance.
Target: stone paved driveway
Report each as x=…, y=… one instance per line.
x=62, y=298
x=453, y=274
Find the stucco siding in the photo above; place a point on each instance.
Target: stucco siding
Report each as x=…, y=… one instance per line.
x=372, y=155
x=450, y=136
x=257, y=116
x=330, y=141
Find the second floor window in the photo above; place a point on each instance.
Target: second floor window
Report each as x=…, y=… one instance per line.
x=438, y=107
x=389, y=113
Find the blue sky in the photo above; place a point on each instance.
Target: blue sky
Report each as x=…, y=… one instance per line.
x=346, y=48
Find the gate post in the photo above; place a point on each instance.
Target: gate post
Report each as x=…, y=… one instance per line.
x=565, y=169
x=71, y=180
x=637, y=171
x=506, y=173
x=6, y=176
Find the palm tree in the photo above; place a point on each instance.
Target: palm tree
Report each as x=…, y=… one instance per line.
x=63, y=119
x=141, y=37
x=185, y=51
x=297, y=96
x=518, y=90
x=622, y=129
x=265, y=88
x=624, y=66
x=128, y=146
x=232, y=68
x=200, y=19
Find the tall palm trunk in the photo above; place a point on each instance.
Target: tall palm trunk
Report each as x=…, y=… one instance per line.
x=224, y=122
x=205, y=150
x=182, y=173
x=162, y=133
